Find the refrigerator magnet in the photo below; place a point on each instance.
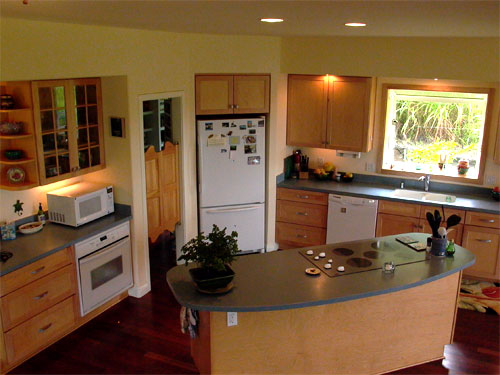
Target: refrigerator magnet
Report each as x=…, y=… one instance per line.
x=223, y=150
x=251, y=149
x=234, y=140
x=261, y=123
x=216, y=140
x=233, y=148
x=250, y=123
x=225, y=124
x=230, y=132
x=243, y=127
x=251, y=131
x=209, y=126
x=253, y=160
x=250, y=139
x=233, y=125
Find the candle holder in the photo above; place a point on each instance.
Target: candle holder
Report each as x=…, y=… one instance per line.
x=389, y=267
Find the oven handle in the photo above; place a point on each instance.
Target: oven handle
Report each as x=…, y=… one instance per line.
x=102, y=252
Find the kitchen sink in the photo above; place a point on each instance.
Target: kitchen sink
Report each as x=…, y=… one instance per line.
x=424, y=196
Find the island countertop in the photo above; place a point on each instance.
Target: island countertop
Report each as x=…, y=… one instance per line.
x=277, y=280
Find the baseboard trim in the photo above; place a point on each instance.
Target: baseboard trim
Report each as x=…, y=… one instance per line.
x=272, y=247
x=139, y=291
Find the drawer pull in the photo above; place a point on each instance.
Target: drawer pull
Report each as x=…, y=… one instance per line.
x=37, y=270
x=41, y=295
x=301, y=236
x=43, y=329
x=483, y=241
x=303, y=196
x=302, y=213
x=487, y=220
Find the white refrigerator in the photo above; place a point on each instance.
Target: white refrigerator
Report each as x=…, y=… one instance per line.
x=231, y=179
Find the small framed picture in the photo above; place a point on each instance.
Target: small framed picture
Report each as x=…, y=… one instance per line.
x=117, y=127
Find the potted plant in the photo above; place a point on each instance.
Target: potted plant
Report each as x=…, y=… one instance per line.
x=213, y=253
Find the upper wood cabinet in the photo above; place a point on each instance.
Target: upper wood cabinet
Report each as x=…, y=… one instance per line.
x=24, y=140
x=69, y=128
x=232, y=94
x=330, y=112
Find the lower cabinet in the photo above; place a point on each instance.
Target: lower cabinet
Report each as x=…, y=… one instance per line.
x=300, y=218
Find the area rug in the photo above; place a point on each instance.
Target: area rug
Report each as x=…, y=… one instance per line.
x=481, y=296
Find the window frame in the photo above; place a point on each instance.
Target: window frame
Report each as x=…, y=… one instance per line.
x=427, y=87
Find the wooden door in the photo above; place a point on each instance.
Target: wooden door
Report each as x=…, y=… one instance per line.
x=214, y=94
x=388, y=225
x=162, y=189
x=485, y=244
x=349, y=117
x=251, y=93
x=306, y=111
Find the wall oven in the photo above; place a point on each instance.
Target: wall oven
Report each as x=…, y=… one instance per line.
x=104, y=267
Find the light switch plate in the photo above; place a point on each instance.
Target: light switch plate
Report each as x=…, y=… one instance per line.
x=232, y=319
x=370, y=167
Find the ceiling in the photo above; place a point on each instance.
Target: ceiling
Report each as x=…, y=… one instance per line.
x=407, y=18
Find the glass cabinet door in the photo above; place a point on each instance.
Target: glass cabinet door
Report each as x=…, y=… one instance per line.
x=68, y=117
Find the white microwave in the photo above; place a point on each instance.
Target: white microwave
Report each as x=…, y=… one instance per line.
x=80, y=203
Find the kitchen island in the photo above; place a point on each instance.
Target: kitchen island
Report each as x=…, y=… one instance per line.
x=359, y=321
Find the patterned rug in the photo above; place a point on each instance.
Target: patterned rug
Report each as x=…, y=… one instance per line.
x=481, y=296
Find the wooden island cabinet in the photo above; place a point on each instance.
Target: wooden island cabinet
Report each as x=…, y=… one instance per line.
x=333, y=112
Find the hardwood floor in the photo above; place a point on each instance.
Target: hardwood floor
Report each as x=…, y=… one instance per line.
x=142, y=336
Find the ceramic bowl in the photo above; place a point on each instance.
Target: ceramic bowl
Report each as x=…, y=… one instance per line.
x=11, y=128
x=30, y=228
x=13, y=154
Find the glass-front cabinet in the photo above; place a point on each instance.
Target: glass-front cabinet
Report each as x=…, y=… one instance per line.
x=68, y=119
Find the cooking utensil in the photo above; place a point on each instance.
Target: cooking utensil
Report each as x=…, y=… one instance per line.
x=442, y=232
x=432, y=224
x=437, y=217
x=452, y=221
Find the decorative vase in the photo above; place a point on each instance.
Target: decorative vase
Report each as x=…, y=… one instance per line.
x=438, y=247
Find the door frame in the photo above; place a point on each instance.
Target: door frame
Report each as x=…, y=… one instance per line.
x=180, y=232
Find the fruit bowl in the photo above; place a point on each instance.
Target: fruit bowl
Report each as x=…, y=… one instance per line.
x=324, y=177
x=31, y=228
x=347, y=179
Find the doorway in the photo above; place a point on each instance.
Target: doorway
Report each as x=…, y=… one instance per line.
x=161, y=119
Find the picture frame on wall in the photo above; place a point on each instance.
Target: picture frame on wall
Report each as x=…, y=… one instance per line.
x=117, y=126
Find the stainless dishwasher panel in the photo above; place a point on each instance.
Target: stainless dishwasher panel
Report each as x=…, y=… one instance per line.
x=350, y=218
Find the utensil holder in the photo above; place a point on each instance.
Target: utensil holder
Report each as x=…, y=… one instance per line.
x=438, y=247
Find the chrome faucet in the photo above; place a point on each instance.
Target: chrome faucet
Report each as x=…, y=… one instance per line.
x=427, y=181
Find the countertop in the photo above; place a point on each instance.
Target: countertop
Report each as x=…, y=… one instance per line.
x=277, y=280
x=28, y=248
x=386, y=192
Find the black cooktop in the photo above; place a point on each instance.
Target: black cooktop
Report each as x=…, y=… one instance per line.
x=362, y=256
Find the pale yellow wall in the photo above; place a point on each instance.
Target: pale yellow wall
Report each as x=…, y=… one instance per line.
x=152, y=62
x=473, y=61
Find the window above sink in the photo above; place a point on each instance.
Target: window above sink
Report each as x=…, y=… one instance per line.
x=437, y=130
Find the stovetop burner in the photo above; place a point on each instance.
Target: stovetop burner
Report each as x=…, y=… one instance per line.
x=359, y=262
x=343, y=251
x=362, y=256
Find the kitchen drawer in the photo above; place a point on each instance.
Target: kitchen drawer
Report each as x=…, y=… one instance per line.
x=35, y=271
x=33, y=298
x=40, y=331
x=292, y=235
x=302, y=196
x=398, y=208
x=447, y=212
x=482, y=219
x=484, y=243
x=301, y=213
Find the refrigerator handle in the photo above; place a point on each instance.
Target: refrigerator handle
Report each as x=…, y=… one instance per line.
x=225, y=210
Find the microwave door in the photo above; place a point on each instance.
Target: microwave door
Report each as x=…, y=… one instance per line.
x=90, y=207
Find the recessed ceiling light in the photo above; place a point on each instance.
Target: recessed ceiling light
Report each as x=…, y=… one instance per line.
x=355, y=24
x=272, y=20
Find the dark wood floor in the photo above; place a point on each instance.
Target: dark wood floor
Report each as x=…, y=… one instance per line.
x=142, y=336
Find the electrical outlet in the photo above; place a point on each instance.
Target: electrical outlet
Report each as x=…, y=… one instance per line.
x=370, y=167
x=321, y=161
x=491, y=180
x=232, y=319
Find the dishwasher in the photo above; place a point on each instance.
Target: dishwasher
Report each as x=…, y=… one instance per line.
x=350, y=218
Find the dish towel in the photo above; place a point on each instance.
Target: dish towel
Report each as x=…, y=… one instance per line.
x=189, y=321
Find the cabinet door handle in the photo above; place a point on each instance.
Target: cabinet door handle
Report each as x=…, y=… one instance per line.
x=41, y=295
x=483, y=241
x=236, y=106
x=303, y=196
x=38, y=270
x=231, y=106
x=301, y=236
x=487, y=220
x=43, y=329
x=302, y=213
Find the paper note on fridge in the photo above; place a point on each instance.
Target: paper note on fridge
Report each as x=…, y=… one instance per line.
x=234, y=140
x=216, y=140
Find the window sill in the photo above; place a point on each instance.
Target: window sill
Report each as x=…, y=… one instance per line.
x=455, y=178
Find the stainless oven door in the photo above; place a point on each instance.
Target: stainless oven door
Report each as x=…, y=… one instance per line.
x=105, y=274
